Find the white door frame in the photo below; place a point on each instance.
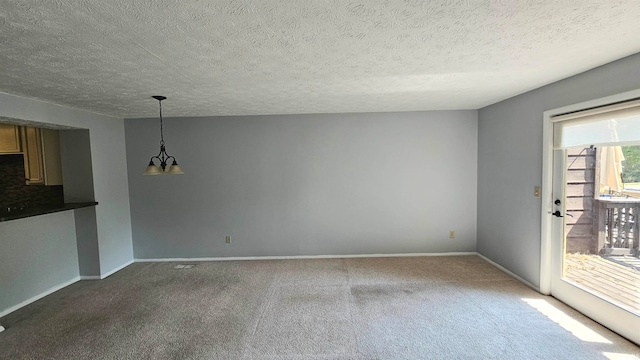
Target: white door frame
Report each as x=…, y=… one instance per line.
x=547, y=177
x=590, y=305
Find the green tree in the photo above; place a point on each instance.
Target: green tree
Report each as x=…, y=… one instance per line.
x=631, y=164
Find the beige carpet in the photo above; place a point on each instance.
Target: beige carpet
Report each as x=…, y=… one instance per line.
x=374, y=308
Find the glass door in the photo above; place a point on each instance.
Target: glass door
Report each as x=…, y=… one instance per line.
x=595, y=264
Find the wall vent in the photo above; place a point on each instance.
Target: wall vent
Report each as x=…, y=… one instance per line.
x=184, y=266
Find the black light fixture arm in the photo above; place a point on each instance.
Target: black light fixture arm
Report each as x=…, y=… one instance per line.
x=163, y=157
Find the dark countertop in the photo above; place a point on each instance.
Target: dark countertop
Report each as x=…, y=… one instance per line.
x=41, y=210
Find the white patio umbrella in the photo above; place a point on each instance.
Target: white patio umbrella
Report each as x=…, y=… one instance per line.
x=611, y=158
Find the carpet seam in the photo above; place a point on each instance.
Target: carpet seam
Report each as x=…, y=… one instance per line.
x=246, y=349
x=352, y=309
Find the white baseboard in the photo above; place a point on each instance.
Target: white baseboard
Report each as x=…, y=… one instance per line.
x=39, y=296
x=115, y=270
x=302, y=257
x=93, y=277
x=60, y=286
x=509, y=272
x=105, y=275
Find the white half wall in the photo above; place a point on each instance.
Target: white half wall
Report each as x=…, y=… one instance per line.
x=510, y=162
x=37, y=254
x=113, y=220
x=330, y=184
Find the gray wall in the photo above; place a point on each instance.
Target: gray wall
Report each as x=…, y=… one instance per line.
x=112, y=216
x=306, y=185
x=87, y=240
x=77, y=170
x=36, y=254
x=510, y=162
x=75, y=148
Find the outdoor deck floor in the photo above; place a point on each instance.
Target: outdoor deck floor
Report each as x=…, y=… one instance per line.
x=615, y=280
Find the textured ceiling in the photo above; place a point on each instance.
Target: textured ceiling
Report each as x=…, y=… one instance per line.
x=302, y=56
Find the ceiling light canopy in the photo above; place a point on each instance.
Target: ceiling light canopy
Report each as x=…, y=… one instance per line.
x=163, y=158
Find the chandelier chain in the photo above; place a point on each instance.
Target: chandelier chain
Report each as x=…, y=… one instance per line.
x=161, y=132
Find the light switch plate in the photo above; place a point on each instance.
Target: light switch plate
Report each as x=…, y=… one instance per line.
x=536, y=191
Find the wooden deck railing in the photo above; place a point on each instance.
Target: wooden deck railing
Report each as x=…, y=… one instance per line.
x=618, y=231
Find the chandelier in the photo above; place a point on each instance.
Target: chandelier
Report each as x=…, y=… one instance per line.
x=163, y=158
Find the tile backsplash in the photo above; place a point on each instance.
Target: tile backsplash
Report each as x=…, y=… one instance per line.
x=14, y=193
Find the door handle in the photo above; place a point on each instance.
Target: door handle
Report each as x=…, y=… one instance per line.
x=557, y=213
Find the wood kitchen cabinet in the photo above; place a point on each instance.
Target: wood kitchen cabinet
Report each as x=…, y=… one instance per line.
x=32, y=149
x=9, y=139
x=51, y=160
x=41, y=150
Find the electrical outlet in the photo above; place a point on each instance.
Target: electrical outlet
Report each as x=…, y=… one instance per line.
x=536, y=191
x=452, y=234
x=227, y=239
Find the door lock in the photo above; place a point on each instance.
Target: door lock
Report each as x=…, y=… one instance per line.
x=557, y=213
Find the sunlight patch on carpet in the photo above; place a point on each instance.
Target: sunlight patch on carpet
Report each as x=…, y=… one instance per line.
x=618, y=356
x=566, y=322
